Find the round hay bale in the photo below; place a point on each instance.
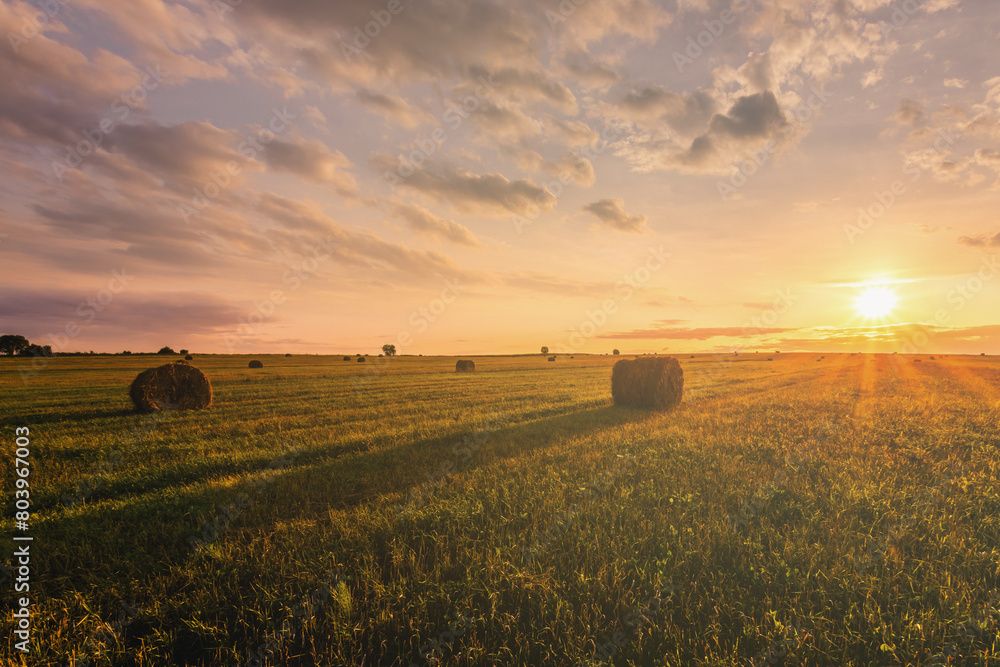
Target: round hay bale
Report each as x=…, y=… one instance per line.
x=656, y=383
x=932, y=358
x=256, y=364
x=189, y=357
x=361, y=360
x=770, y=359
x=346, y=358
x=171, y=387
x=465, y=366
x=552, y=358
x=288, y=354
x=917, y=361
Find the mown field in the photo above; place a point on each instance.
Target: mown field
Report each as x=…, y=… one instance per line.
x=794, y=511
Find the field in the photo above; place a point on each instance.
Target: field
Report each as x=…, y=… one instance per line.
x=794, y=511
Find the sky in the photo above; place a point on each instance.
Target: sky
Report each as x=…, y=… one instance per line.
x=492, y=176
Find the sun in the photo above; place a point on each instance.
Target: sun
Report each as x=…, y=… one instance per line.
x=875, y=302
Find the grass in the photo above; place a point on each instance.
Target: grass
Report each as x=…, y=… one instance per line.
x=842, y=512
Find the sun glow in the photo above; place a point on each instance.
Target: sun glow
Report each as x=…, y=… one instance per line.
x=875, y=302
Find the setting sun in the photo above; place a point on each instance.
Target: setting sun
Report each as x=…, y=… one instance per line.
x=875, y=302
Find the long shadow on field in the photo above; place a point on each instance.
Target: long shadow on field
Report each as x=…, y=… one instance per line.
x=127, y=541
x=122, y=485
x=400, y=468
x=63, y=417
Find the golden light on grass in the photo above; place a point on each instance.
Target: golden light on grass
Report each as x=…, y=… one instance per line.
x=875, y=302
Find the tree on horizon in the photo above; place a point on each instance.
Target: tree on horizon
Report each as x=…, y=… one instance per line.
x=12, y=344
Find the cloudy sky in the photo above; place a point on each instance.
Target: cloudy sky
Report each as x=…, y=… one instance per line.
x=461, y=177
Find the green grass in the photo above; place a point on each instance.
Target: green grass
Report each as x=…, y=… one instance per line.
x=843, y=512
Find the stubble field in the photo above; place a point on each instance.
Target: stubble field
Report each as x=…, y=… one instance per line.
x=794, y=511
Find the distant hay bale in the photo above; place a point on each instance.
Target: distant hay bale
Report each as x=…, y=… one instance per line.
x=465, y=366
x=346, y=358
x=288, y=354
x=361, y=360
x=770, y=359
x=656, y=383
x=178, y=386
x=932, y=358
x=552, y=358
x=256, y=364
x=917, y=361
x=189, y=357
